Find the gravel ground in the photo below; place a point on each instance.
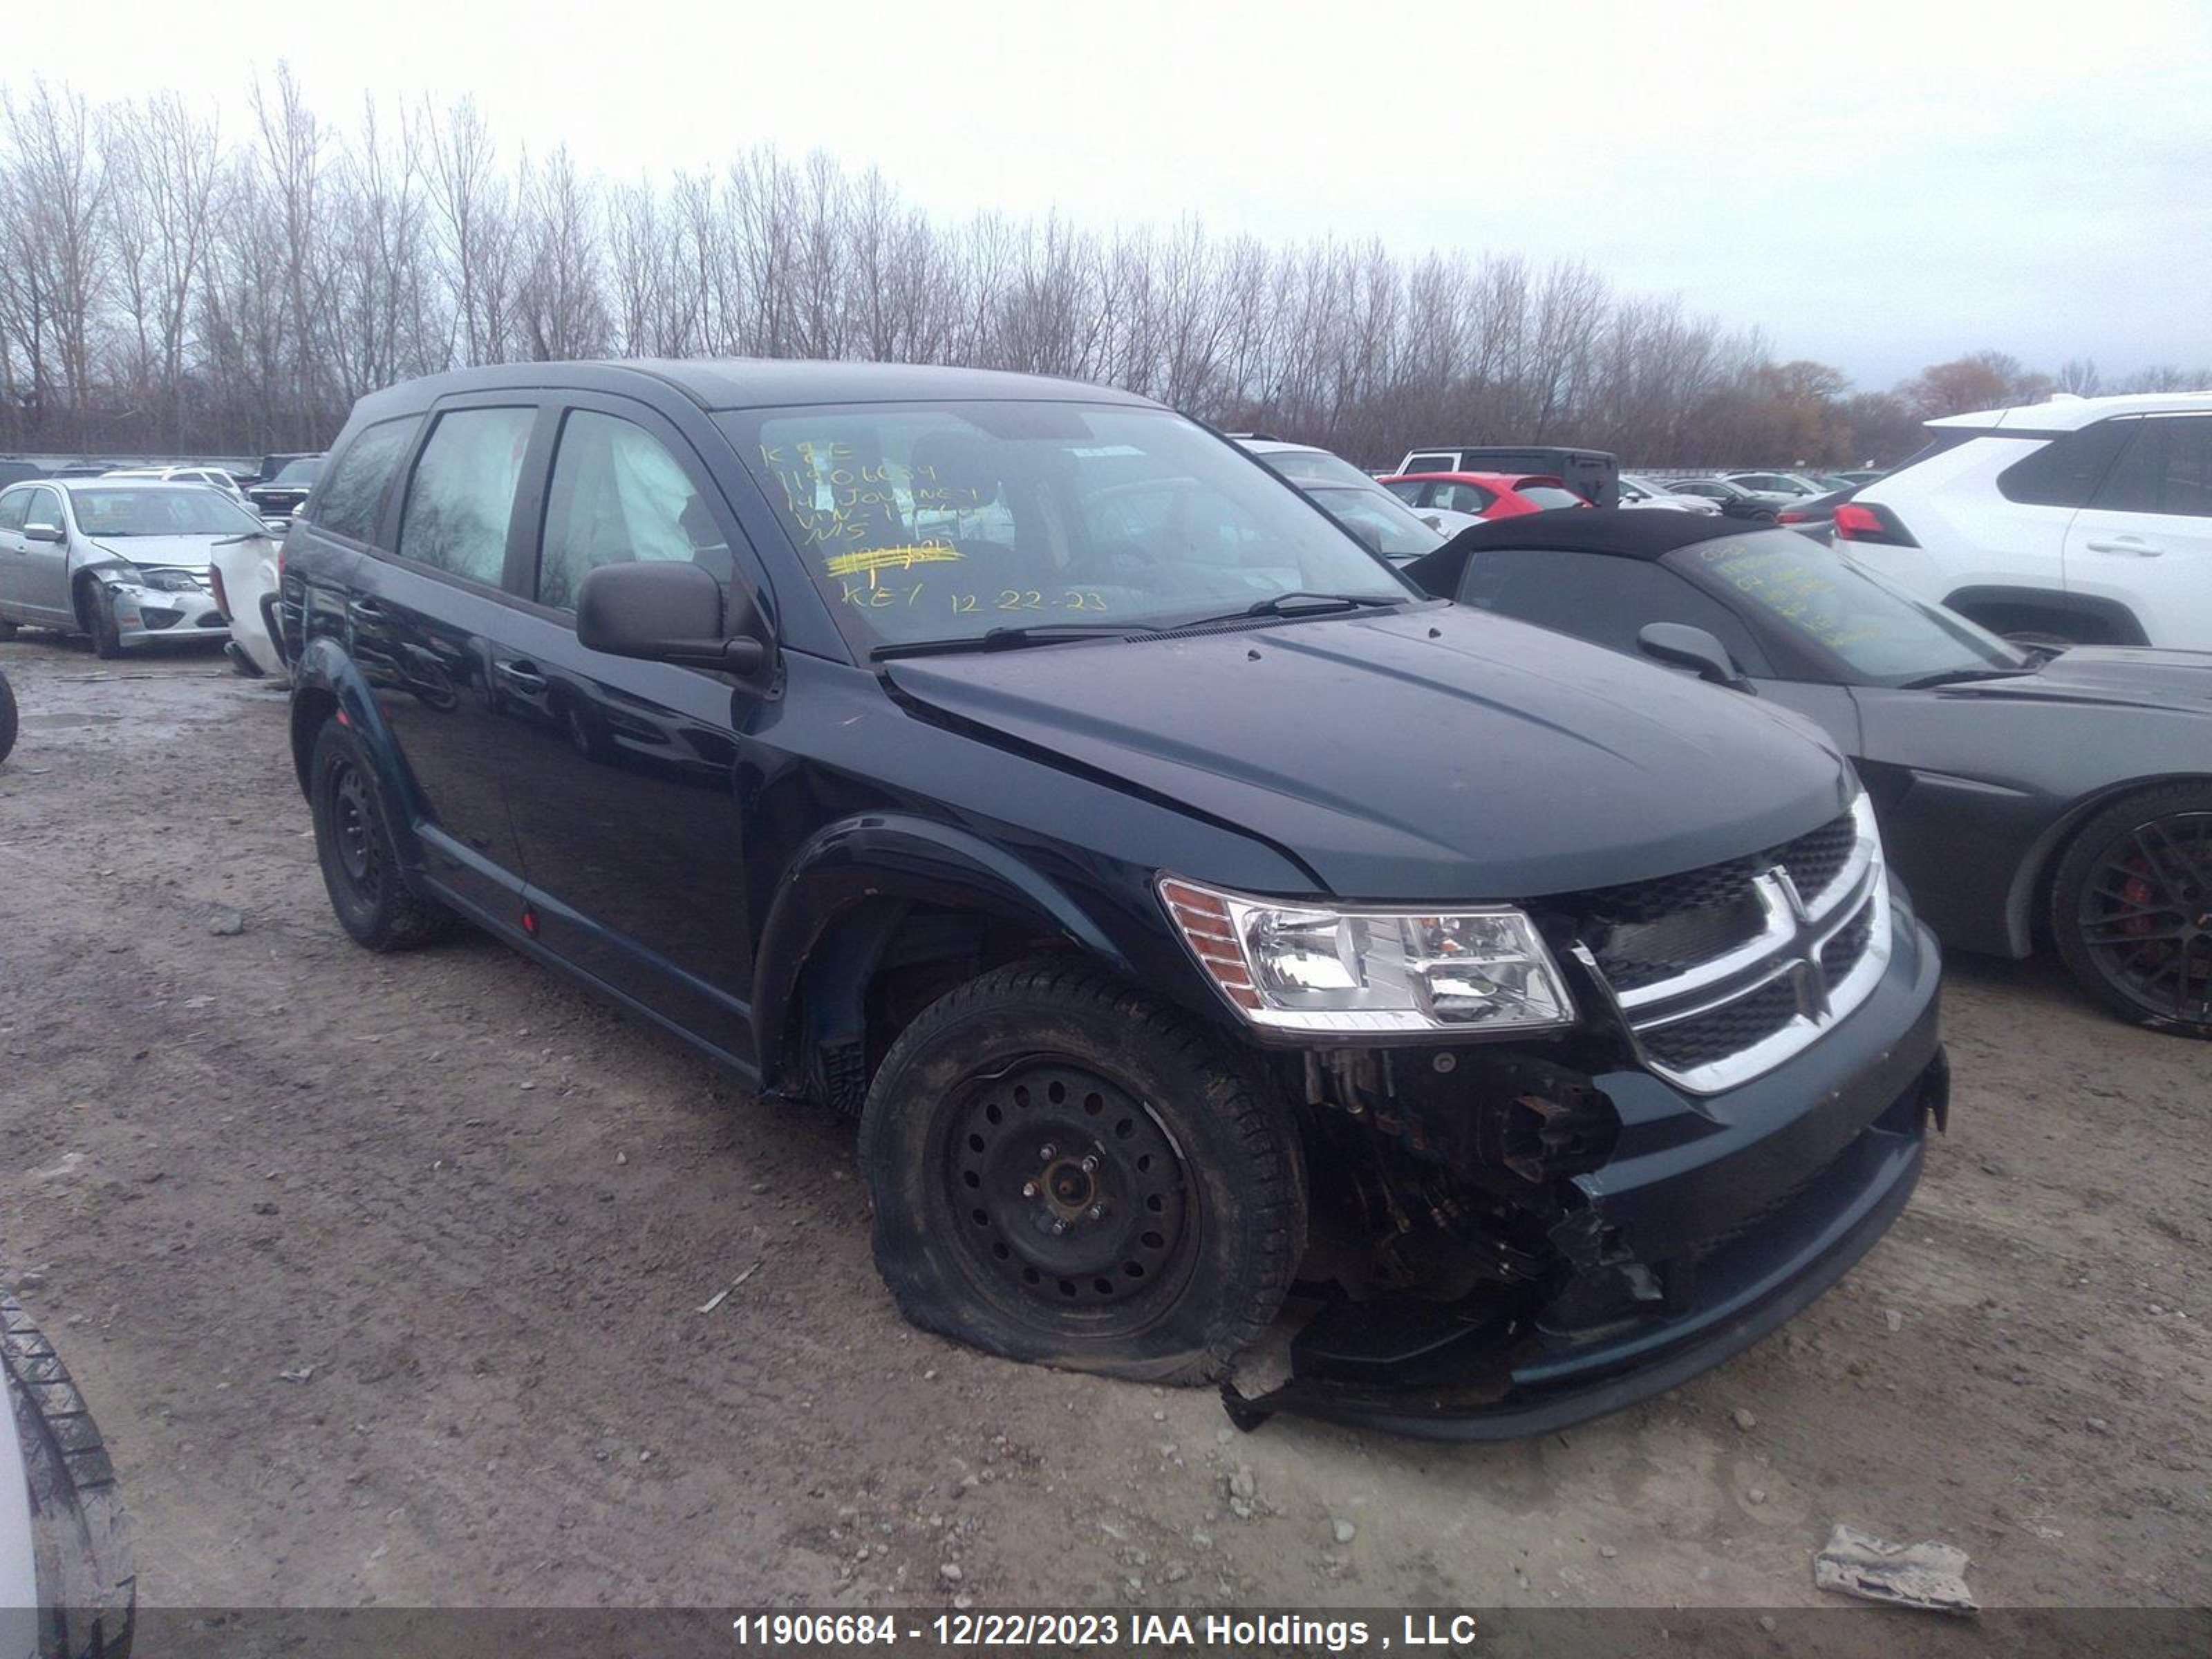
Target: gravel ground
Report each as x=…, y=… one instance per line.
x=384, y=1277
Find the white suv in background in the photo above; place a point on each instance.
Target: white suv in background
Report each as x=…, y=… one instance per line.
x=2086, y=520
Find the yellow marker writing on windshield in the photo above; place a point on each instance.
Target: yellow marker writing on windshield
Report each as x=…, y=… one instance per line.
x=888, y=558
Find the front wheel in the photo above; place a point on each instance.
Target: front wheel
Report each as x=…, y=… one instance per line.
x=2131, y=907
x=8, y=717
x=100, y=622
x=1067, y=1171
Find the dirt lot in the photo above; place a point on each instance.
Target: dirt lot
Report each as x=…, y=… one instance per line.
x=385, y=1276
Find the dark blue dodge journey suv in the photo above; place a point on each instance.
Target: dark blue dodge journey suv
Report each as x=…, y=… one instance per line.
x=1213, y=936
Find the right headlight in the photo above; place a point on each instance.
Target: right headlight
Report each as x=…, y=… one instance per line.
x=1330, y=971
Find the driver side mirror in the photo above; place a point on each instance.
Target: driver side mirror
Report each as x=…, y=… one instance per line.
x=1678, y=645
x=42, y=532
x=669, y=612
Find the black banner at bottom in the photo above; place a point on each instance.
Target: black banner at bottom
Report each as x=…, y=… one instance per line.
x=1842, y=1632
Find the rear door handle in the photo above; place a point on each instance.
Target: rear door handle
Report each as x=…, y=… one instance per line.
x=2135, y=544
x=522, y=676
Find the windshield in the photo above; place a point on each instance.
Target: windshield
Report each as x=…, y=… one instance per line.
x=1376, y=517
x=300, y=472
x=1879, y=634
x=161, y=510
x=947, y=520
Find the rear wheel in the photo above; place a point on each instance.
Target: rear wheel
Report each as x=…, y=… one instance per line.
x=1069, y=1172
x=2131, y=907
x=355, y=845
x=8, y=718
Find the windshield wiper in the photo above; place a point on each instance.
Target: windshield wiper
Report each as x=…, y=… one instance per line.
x=1009, y=639
x=1963, y=677
x=1299, y=604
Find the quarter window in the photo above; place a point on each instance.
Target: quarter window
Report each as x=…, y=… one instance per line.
x=462, y=496
x=2165, y=468
x=617, y=496
x=2066, y=471
x=13, y=507
x=351, y=499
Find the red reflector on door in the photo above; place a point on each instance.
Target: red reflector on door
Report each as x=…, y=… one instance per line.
x=529, y=922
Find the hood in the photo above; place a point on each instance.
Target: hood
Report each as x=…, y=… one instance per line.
x=1432, y=754
x=2122, y=676
x=164, y=552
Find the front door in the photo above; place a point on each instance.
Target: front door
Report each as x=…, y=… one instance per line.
x=2144, y=539
x=39, y=583
x=423, y=626
x=622, y=776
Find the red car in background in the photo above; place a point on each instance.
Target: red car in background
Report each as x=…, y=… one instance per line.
x=1483, y=494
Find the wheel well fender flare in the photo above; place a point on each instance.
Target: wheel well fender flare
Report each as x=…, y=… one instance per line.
x=2031, y=894
x=2115, y=618
x=327, y=685
x=831, y=897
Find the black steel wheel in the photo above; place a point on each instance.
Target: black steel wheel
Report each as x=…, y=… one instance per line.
x=1073, y=1195
x=1067, y=1171
x=7, y=717
x=354, y=843
x=2131, y=907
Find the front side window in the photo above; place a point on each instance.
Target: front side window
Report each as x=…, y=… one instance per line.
x=351, y=502
x=945, y=521
x=161, y=509
x=617, y=496
x=45, y=512
x=2165, y=468
x=1599, y=597
x=461, y=498
x=1842, y=613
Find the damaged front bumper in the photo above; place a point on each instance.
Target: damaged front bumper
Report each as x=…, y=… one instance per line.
x=1712, y=1221
x=182, y=606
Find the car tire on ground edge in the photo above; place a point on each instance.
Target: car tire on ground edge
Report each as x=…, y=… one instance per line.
x=87, y=1579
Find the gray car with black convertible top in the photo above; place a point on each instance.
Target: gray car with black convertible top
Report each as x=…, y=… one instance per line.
x=2026, y=796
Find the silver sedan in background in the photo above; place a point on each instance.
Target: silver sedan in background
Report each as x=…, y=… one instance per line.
x=124, y=559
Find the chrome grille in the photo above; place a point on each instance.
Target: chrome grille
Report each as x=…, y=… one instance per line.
x=1762, y=956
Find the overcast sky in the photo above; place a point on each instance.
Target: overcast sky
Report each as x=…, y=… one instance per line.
x=1875, y=185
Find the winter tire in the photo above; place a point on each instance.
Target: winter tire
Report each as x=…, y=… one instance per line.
x=1067, y=1171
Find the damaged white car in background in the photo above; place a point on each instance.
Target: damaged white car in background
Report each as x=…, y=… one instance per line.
x=125, y=561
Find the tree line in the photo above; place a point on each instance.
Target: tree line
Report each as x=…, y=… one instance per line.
x=167, y=286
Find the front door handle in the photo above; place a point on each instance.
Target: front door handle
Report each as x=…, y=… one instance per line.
x=2135, y=544
x=522, y=676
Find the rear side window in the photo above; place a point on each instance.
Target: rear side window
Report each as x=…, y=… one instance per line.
x=617, y=496
x=2165, y=468
x=2066, y=471
x=12, y=508
x=1463, y=497
x=352, y=497
x=461, y=498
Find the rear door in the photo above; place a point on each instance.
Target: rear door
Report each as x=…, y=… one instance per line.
x=2144, y=539
x=14, y=504
x=421, y=620
x=621, y=775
